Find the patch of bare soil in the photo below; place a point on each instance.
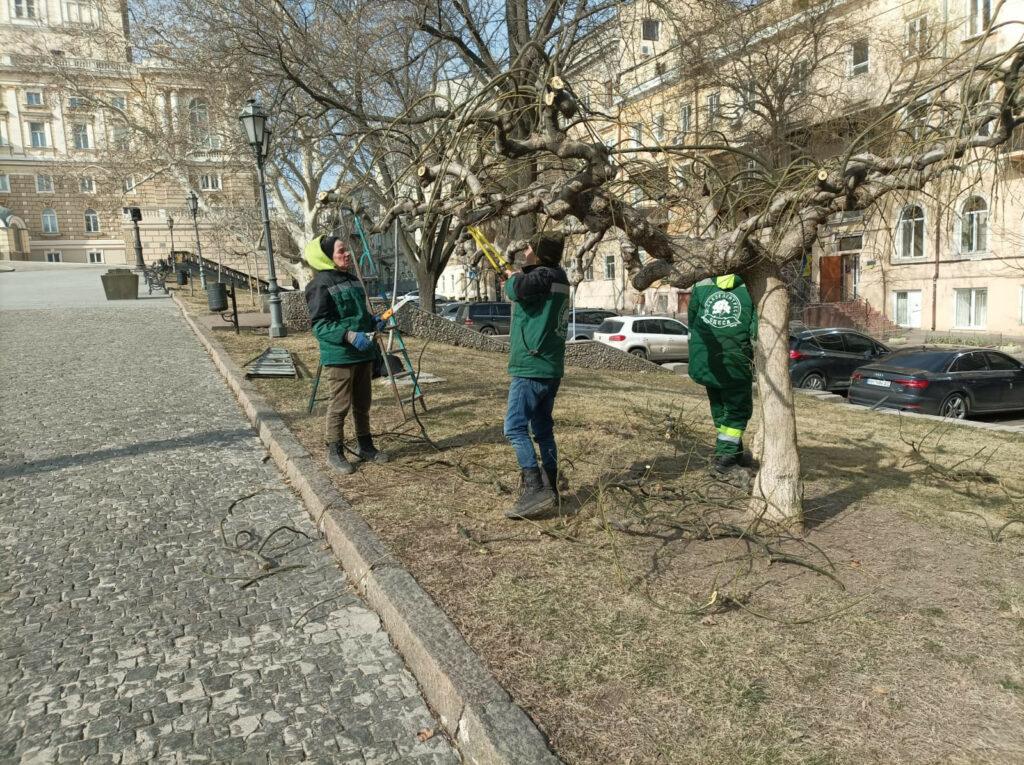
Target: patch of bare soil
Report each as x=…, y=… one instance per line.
x=643, y=629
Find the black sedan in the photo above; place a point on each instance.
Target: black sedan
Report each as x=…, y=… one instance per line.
x=950, y=382
x=824, y=359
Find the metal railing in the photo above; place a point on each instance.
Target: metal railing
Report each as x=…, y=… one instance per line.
x=228, y=275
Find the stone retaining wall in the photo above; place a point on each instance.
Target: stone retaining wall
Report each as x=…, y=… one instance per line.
x=294, y=311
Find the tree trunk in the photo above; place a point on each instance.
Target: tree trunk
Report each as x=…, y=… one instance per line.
x=426, y=280
x=778, y=487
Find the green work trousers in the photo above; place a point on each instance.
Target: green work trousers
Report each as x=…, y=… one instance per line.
x=731, y=409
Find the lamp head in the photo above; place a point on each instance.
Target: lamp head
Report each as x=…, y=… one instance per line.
x=254, y=123
x=193, y=203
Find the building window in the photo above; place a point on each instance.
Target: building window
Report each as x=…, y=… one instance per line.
x=3, y=132
x=80, y=136
x=50, y=221
x=609, y=266
x=659, y=127
x=714, y=107
x=685, y=116
x=979, y=16
x=801, y=75
x=910, y=232
x=26, y=9
x=33, y=98
x=199, y=122
x=95, y=256
x=119, y=136
x=44, y=184
x=588, y=275
x=5, y=183
x=37, y=130
x=971, y=308
x=128, y=186
x=119, y=102
x=76, y=102
x=974, y=225
x=908, y=308
x=915, y=118
x=53, y=257
x=77, y=12
x=651, y=29
x=637, y=134
x=210, y=182
x=92, y=222
x=917, y=36
x=860, y=57
x=86, y=185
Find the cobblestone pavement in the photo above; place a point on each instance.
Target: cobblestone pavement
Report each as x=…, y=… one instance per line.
x=126, y=634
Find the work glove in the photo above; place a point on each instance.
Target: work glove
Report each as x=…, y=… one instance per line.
x=359, y=340
x=380, y=324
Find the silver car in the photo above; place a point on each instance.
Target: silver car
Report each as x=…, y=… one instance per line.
x=658, y=338
x=587, y=320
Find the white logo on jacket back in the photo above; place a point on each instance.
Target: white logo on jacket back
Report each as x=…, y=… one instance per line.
x=721, y=310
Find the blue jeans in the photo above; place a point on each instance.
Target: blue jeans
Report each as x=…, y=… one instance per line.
x=530, y=403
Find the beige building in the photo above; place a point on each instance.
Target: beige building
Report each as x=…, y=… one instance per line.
x=73, y=156
x=949, y=259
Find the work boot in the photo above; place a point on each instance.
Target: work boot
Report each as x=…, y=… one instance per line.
x=336, y=458
x=725, y=462
x=555, y=481
x=536, y=498
x=746, y=459
x=367, y=452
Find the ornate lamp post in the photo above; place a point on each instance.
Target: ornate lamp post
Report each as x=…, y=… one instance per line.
x=254, y=123
x=170, y=229
x=193, y=207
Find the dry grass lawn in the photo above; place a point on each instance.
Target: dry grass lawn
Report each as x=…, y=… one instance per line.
x=630, y=641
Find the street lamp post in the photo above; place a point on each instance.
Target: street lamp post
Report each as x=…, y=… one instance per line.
x=170, y=229
x=254, y=123
x=135, y=214
x=193, y=207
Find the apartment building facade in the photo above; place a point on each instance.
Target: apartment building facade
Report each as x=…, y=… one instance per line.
x=72, y=102
x=950, y=258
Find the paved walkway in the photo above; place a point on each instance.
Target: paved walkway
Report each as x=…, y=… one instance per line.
x=126, y=634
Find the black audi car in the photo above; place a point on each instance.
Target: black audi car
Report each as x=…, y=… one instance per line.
x=950, y=382
x=824, y=359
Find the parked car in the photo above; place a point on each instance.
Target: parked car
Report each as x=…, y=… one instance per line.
x=450, y=310
x=824, y=359
x=658, y=338
x=587, y=322
x=486, y=318
x=950, y=382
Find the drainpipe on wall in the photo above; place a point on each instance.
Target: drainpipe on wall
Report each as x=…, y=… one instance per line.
x=935, y=273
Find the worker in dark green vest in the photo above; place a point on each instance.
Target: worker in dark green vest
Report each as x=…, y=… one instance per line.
x=723, y=325
x=540, y=318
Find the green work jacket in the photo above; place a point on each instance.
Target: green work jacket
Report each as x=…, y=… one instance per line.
x=723, y=326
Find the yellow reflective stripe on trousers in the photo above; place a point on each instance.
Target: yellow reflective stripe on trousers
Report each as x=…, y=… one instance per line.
x=728, y=434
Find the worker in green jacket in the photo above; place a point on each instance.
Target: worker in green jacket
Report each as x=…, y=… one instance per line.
x=344, y=328
x=723, y=325
x=536, y=360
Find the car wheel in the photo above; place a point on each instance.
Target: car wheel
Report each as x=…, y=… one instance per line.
x=581, y=337
x=640, y=353
x=487, y=331
x=954, y=407
x=813, y=381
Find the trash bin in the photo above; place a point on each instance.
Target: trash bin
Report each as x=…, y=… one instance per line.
x=182, y=276
x=120, y=284
x=217, y=296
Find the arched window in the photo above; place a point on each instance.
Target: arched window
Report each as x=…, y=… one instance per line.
x=50, y=221
x=910, y=232
x=199, y=122
x=92, y=221
x=974, y=225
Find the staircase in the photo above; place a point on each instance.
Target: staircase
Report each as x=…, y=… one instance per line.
x=856, y=314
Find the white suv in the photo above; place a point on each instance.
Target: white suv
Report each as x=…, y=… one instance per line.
x=658, y=338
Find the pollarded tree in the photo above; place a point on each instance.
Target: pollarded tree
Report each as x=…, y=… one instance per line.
x=800, y=154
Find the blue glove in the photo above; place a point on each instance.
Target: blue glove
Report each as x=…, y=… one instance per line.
x=359, y=340
x=381, y=325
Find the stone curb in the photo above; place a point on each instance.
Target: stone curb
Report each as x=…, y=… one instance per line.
x=836, y=398
x=473, y=708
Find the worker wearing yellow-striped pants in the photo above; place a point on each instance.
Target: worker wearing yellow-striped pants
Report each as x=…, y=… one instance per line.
x=731, y=409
